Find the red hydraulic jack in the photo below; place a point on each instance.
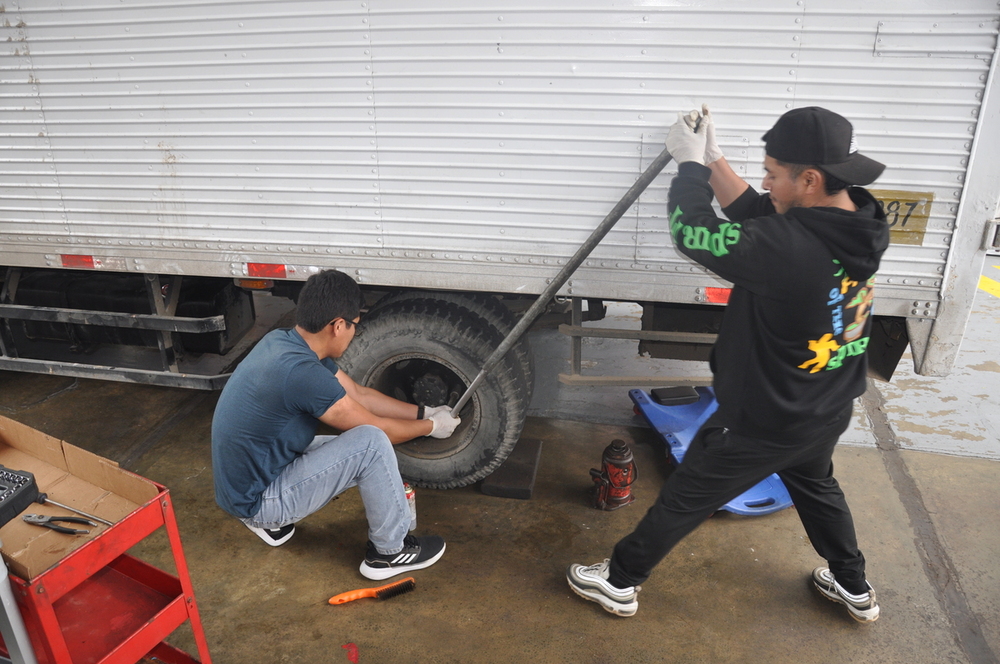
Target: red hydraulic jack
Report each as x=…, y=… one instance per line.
x=614, y=479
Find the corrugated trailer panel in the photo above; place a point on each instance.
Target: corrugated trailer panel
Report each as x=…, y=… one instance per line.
x=751, y=65
x=416, y=143
x=206, y=146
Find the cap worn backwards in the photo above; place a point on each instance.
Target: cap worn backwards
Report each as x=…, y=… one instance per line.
x=817, y=137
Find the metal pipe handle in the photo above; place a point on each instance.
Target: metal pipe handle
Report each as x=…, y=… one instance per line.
x=565, y=273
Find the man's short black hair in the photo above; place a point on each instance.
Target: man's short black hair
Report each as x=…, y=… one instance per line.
x=329, y=295
x=831, y=183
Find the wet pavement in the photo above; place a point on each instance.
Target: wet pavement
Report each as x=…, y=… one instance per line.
x=919, y=467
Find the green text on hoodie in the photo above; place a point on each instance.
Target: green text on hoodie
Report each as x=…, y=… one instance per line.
x=790, y=356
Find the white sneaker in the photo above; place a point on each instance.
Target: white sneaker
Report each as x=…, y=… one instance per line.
x=592, y=583
x=862, y=608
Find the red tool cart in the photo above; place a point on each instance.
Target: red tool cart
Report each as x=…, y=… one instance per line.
x=100, y=605
x=83, y=599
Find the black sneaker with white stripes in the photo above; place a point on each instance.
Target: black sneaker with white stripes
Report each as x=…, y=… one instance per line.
x=273, y=536
x=417, y=553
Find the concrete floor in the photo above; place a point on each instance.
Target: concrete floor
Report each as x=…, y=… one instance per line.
x=734, y=591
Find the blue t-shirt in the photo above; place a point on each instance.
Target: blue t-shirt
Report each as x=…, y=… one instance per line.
x=266, y=416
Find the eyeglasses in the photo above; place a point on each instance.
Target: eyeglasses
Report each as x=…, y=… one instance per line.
x=350, y=323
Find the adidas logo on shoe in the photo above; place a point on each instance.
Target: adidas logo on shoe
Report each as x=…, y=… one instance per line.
x=404, y=558
x=417, y=553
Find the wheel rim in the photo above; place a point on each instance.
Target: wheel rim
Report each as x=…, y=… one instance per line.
x=410, y=376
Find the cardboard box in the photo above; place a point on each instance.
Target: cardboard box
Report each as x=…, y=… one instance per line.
x=71, y=476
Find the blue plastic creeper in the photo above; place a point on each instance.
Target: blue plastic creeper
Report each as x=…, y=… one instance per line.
x=677, y=425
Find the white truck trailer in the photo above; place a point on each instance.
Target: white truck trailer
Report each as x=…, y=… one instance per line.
x=160, y=159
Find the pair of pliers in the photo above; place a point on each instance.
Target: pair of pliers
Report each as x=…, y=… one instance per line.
x=43, y=520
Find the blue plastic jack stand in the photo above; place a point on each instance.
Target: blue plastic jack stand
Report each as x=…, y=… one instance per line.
x=677, y=426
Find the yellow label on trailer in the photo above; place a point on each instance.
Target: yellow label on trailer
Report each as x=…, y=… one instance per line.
x=907, y=213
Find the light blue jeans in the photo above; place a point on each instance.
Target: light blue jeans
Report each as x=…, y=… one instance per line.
x=361, y=457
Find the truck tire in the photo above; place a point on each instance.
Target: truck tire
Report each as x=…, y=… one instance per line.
x=485, y=306
x=431, y=347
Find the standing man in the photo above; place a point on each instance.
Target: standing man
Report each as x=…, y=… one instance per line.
x=790, y=356
x=271, y=470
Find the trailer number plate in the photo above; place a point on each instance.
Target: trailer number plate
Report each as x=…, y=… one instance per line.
x=907, y=213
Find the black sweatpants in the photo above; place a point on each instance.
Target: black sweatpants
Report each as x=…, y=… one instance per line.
x=720, y=465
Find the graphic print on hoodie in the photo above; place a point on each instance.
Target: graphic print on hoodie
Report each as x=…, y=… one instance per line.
x=790, y=356
x=829, y=353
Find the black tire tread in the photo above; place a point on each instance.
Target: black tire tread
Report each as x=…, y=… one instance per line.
x=472, y=340
x=481, y=304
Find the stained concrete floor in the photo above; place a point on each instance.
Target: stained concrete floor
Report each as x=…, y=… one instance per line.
x=734, y=591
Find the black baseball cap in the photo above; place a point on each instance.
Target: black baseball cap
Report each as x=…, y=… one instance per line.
x=815, y=136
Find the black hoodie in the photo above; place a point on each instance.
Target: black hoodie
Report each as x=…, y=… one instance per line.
x=790, y=357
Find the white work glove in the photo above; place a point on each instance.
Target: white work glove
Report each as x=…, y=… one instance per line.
x=444, y=423
x=430, y=410
x=684, y=144
x=712, y=150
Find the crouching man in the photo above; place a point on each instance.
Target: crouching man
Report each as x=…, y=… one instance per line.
x=271, y=470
